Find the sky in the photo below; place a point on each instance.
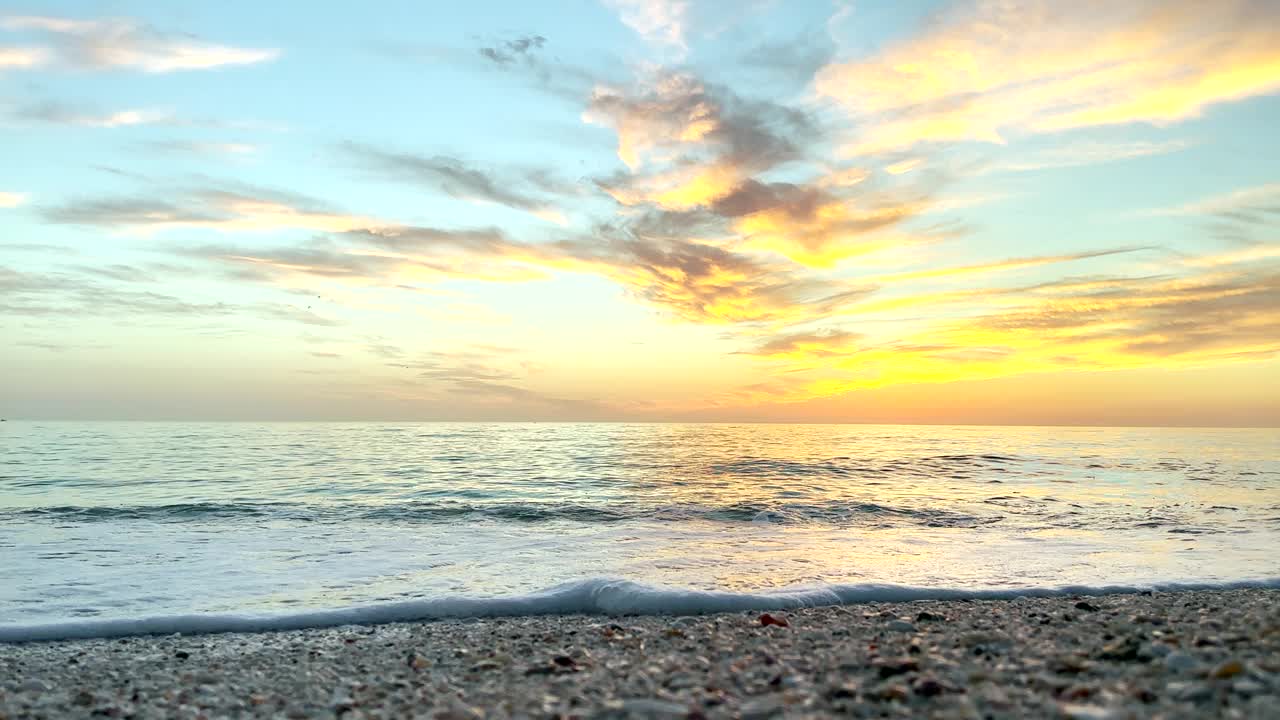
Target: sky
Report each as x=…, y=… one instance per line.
x=656, y=210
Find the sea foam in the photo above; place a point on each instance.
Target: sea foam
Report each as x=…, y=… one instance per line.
x=596, y=596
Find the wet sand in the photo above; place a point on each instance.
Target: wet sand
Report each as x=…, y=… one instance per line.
x=1174, y=655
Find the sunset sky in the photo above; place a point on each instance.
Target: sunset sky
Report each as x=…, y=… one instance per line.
x=990, y=212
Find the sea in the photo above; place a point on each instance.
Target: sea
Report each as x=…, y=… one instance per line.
x=119, y=528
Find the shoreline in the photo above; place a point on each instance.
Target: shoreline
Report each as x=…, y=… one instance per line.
x=1192, y=653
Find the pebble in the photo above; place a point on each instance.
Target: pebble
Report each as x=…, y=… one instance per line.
x=645, y=707
x=1158, y=649
x=1230, y=668
x=900, y=626
x=766, y=620
x=32, y=685
x=888, y=667
x=1085, y=712
x=1180, y=662
x=1125, y=648
x=1190, y=691
x=762, y=707
x=928, y=687
x=1248, y=687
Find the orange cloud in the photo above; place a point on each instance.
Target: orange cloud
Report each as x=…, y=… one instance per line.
x=1040, y=66
x=1207, y=318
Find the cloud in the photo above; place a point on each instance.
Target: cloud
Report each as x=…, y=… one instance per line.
x=701, y=150
x=54, y=113
x=819, y=226
x=521, y=189
x=1002, y=265
x=703, y=283
x=198, y=147
x=22, y=57
x=1079, y=154
x=394, y=257
x=1212, y=314
x=510, y=51
x=662, y=22
x=674, y=111
x=794, y=346
x=13, y=199
x=60, y=294
x=984, y=69
x=229, y=208
x=61, y=347
x=117, y=271
x=129, y=44
x=794, y=59
x=690, y=280
x=1249, y=254
x=71, y=295
x=1254, y=204
x=1223, y=312
x=904, y=166
x=487, y=375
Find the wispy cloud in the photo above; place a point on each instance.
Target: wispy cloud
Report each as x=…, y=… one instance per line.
x=694, y=281
x=129, y=44
x=707, y=284
x=72, y=295
x=1089, y=153
x=1000, y=266
x=1249, y=254
x=522, y=48
x=22, y=57
x=983, y=70
x=793, y=59
x=56, y=113
x=524, y=190
x=662, y=22
x=228, y=208
x=1250, y=204
x=1219, y=313
x=828, y=343
x=488, y=377
x=201, y=147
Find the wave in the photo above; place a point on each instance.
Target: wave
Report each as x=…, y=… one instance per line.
x=596, y=596
x=827, y=513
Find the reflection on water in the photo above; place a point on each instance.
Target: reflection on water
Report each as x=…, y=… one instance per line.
x=108, y=517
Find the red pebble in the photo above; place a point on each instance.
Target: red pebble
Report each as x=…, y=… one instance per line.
x=766, y=620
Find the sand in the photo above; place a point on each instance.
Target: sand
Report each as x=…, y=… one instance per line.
x=1172, y=655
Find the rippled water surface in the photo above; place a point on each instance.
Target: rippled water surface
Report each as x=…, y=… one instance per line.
x=128, y=519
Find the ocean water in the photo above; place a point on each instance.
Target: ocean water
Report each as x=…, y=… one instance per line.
x=114, y=528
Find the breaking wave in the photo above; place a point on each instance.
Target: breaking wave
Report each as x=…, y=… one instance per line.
x=596, y=596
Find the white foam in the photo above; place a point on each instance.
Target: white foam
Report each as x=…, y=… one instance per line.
x=602, y=596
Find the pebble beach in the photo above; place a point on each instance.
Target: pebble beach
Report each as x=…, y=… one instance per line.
x=1192, y=654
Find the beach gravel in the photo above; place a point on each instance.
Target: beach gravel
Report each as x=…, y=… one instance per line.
x=1166, y=655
